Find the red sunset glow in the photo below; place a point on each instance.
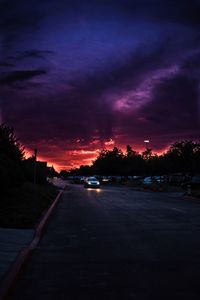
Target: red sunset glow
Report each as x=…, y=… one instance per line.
x=101, y=76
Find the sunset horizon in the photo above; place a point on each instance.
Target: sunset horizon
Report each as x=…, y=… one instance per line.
x=83, y=157
x=78, y=76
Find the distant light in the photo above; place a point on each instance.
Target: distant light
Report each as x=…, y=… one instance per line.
x=105, y=179
x=146, y=141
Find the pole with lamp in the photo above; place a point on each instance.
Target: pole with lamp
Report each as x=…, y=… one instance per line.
x=146, y=143
x=35, y=166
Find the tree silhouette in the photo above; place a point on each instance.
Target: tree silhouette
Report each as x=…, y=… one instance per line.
x=109, y=162
x=130, y=153
x=147, y=154
x=11, y=156
x=134, y=163
x=183, y=157
x=10, y=145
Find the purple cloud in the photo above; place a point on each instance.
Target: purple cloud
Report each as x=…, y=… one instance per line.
x=92, y=71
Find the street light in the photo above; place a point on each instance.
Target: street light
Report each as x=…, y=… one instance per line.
x=146, y=143
x=35, y=165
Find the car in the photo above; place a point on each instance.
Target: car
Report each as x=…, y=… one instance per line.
x=152, y=180
x=105, y=180
x=91, y=182
x=149, y=180
x=161, y=179
x=194, y=183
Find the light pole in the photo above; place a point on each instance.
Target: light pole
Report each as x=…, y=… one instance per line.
x=146, y=143
x=35, y=164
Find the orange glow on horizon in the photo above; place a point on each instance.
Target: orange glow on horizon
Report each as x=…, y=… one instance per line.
x=72, y=159
x=56, y=166
x=110, y=142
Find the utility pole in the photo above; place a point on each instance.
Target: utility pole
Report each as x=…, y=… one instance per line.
x=35, y=166
x=146, y=143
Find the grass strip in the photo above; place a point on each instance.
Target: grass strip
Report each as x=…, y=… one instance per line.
x=22, y=207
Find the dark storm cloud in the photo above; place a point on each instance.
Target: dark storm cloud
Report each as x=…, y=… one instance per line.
x=50, y=120
x=191, y=63
x=6, y=64
x=97, y=53
x=174, y=102
x=55, y=118
x=83, y=109
x=17, y=20
x=178, y=11
x=183, y=12
x=27, y=15
x=34, y=53
x=13, y=61
x=17, y=76
x=69, y=120
x=171, y=115
x=83, y=117
x=121, y=75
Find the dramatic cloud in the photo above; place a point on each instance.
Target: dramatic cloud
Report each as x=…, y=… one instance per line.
x=76, y=76
x=33, y=54
x=17, y=76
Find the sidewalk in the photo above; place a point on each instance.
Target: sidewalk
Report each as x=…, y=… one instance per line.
x=12, y=241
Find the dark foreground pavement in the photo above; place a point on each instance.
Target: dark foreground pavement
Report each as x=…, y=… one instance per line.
x=116, y=244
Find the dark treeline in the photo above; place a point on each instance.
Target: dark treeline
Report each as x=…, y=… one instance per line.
x=181, y=157
x=14, y=168
x=11, y=158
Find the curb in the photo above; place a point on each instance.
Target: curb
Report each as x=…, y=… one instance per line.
x=11, y=278
x=191, y=198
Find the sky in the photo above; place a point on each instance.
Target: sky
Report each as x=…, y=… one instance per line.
x=79, y=76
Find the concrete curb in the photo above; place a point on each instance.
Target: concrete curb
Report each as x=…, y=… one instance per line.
x=191, y=198
x=16, y=268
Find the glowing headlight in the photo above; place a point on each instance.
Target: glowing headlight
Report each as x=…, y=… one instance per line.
x=89, y=182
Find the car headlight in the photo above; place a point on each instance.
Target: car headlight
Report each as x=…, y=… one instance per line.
x=89, y=182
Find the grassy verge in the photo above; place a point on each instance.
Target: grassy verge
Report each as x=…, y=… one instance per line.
x=22, y=207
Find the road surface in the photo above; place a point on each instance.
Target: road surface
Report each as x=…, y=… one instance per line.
x=116, y=243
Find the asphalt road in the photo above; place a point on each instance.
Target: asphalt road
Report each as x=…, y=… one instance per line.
x=116, y=243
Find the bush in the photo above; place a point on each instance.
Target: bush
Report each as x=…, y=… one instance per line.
x=11, y=174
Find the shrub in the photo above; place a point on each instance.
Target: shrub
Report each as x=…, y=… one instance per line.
x=11, y=174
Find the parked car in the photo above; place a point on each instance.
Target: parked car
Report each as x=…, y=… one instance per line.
x=91, y=182
x=161, y=179
x=148, y=180
x=194, y=183
x=177, y=179
x=151, y=180
x=105, y=180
